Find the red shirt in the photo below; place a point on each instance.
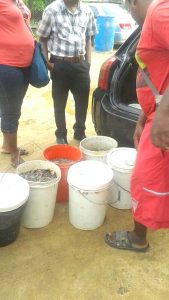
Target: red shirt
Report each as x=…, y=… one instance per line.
x=16, y=40
x=153, y=50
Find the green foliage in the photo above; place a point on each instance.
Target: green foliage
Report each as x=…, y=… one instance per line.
x=37, y=5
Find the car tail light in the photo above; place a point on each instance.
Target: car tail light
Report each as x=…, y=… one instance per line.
x=125, y=25
x=105, y=72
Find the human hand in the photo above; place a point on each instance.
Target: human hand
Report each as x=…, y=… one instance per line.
x=50, y=66
x=137, y=134
x=160, y=129
x=139, y=129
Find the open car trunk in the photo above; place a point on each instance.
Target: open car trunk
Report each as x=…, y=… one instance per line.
x=126, y=90
x=116, y=111
x=123, y=84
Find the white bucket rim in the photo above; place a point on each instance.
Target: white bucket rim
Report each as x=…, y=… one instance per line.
x=14, y=189
x=97, y=152
x=114, y=166
x=90, y=191
x=43, y=164
x=102, y=188
x=86, y=177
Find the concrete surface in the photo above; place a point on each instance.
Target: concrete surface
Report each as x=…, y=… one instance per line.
x=60, y=262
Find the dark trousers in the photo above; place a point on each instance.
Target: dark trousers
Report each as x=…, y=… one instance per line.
x=13, y=86
x=75, y=78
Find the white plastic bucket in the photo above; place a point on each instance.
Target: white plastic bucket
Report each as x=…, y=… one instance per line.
x=89, y=188
x=97, y=147
x=14, y=192
x=40, y=207
x=122, y=161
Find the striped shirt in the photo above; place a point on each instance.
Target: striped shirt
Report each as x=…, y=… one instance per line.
x=66, y=31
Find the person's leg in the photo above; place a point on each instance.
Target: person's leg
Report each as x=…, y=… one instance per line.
x=80, y=89
x=139, y=233
x=129, y=240
x=60, y=89
x=10, y=146
x=59, y=95
x=13, y=86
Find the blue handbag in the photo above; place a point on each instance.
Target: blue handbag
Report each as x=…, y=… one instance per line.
x=38, y=70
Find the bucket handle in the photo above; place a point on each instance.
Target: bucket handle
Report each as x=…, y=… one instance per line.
x=105, y=202
x=119, y=193
x=121, y=186
x=83, y=194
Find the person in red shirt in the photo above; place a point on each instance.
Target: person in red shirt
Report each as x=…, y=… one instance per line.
x=16, y=53
x=150, y=178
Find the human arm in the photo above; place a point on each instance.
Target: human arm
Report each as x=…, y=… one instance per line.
x=139, y=129
x=44, y=32
x=25, y=11
x=88, y=49
x=44, y=45
x=90, y=31
x=160, y=124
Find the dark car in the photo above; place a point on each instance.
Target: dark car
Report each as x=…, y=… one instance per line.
x=115, y=107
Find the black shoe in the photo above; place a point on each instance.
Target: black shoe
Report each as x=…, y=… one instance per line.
x=79, y=137
x=61, y=140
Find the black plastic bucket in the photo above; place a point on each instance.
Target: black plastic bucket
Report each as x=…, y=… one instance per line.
x=14, y=192
x=10, y=225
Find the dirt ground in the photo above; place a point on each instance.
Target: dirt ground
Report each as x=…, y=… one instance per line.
x=60, y=262
x=37, y=125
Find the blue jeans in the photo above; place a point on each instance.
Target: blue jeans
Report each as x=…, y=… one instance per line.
x=13, y=86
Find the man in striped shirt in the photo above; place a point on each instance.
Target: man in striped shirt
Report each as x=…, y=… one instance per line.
x=65, y=33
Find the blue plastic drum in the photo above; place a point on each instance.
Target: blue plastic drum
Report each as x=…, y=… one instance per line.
x=104, y=38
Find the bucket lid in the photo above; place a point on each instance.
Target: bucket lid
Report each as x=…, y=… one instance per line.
x=90, y=175
x=122, y=159
x=14, y=191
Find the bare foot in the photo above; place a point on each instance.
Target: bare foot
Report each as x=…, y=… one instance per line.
x=21, y=151
x=16, y=159
x=135, y=239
